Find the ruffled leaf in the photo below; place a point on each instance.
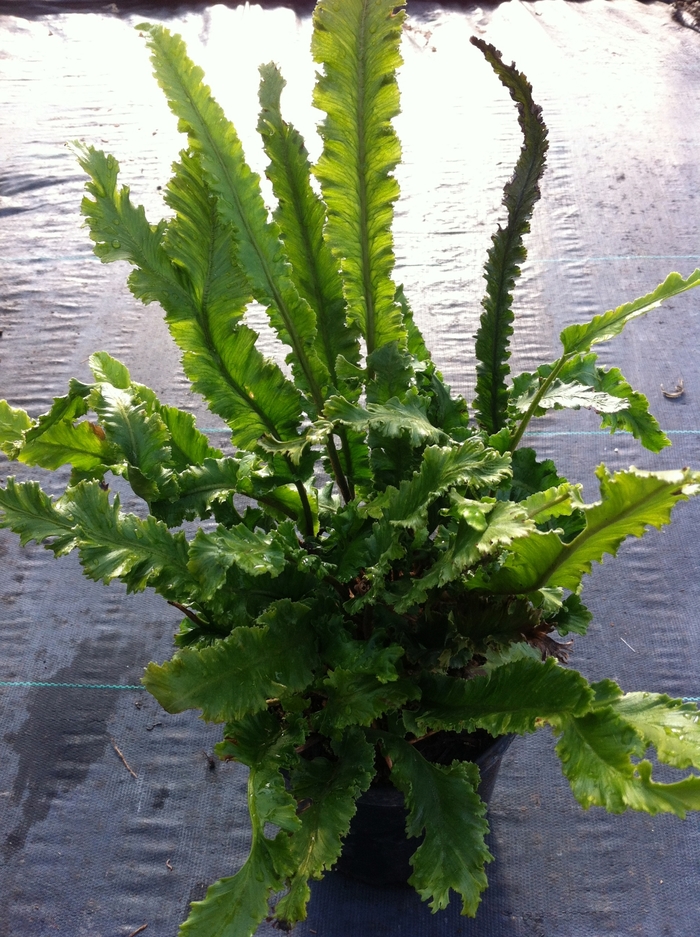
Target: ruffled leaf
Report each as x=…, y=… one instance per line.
x=330, y=788
x=670, y=725
x=358, y=45
x=356, y=698
x=570, y=395
x=631, y=502
x=511, y=699
x=578, y=339
x=259, y=250
x=200, y=486
x=444, y=806
x=634, y=417
x=234, y=906
x=13, y=423
x=33, y=515
x=596, y=751
x=253, y=551
x=250, y=393
x=496, y=526
x=82, y=445
x=502, y=268
x=442, y=468
x=393, y=419
x=235, y=676
x=139, y=552
x=301, y=216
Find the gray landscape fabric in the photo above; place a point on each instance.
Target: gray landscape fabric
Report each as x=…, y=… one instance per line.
x=113, y=814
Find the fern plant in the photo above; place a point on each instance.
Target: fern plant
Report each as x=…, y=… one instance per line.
x=399, y=567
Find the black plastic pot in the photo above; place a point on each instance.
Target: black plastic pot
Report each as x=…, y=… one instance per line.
x=377, y=850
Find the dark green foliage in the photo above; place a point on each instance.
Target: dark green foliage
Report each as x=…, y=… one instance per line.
x=369, y=569
x=508, y=251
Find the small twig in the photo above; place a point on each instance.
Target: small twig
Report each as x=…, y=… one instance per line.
x=426, y=736
x=186, y=611
x=151, y=728
x=628, y=645
x=138, y=930
x=210, y=761
x=673, y=394
x=125, y=763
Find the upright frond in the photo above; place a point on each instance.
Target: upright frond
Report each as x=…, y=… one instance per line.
x=508, y=251
x=357, y=42
x=190, y=272
x=301, y=216
x=259, y=250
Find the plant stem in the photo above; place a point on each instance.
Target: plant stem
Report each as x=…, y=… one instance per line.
x=308, y=516
x=546, y=384
x=345, y=446
x=340, y=478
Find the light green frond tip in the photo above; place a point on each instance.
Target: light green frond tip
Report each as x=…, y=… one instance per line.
x=357, y=42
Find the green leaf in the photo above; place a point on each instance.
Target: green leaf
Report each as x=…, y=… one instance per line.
x=108, y=370
x=301, y=216
x=238, y=674
x=631, y=502
x=13, y=424
x=122, y=232
x=142, y=437
x=213, y=554
x=250, y=393
x=444, y=806
x=577, y=339
x=360, y=698
x=199, y=486
x=83, y=446
x=469, y=544
x=635, y=417
x=391, y=420
x=63, y=410
x=330, y=788
x=572, y=395
x=234, y=906
x=201, y=247
x=139, y=552
x=531, y=476
x=188, y=447
x=468, y=464
x=670, y=725
x=502, y=268
x=33, y=515
x=511, y=699
x=573, y=617
x=560, y=500
x=259, y=250
x=596, y=752
x=358, y=45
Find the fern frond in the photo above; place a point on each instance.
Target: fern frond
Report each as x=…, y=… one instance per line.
x=357, y=42
x=247, y=390
x=250, y=393
x=301, y=216
x=259, y=250
x=508, y=251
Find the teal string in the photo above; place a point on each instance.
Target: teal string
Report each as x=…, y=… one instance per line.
x=131, y=686
x=602, y=432
x=597, y=432
x=610, y=258
x=74, y=686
